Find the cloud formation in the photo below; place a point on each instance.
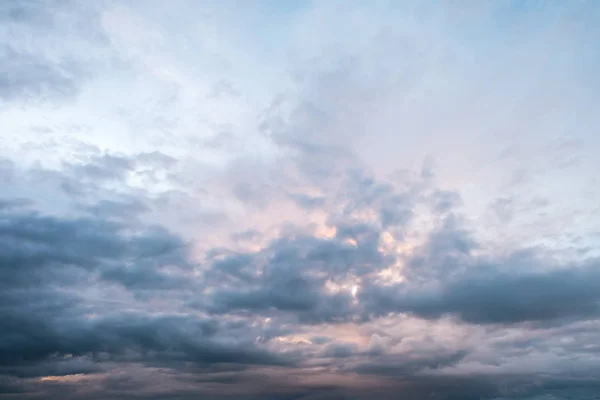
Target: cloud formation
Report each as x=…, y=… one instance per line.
x=299, y=201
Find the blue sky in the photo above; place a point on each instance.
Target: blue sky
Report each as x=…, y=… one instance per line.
x=299, y=199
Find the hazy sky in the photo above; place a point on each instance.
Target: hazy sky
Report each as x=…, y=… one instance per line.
x=299, y=200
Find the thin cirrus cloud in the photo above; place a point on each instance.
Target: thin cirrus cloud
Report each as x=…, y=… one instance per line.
x=337, y=200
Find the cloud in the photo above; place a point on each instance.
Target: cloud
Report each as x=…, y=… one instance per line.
x=324, y=201
x=253, y=308
x=487, y=295
x=27, y=77
x=51, y=327
x=36, y=72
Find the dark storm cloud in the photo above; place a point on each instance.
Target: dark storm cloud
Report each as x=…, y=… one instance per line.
x=293, y=275
x=252, y=386
x=38, y=250
x=54, y=366
x=494, y=296
x=50, y=331
x=32, y=243
x=48, y=264
x=49, y=347
x=50, y=326
x=278, y=387
x=516, y=288
x=296, y=269
x=340, y=350
x=446, y=277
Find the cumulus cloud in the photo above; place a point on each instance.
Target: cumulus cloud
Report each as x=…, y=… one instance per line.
x=57, y=279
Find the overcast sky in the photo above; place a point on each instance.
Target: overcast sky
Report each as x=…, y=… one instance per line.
x=299, y=200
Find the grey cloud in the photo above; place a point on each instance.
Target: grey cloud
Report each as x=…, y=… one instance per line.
x=15, y=203
x=502, y=291
x=48, y=50
x=46, y=316
x=88, y=286
x=98, y=183
x=405, y=366
x=223, y=88
x=445, y=200
x=124, y=209
x=448, y=250
x=340, y=350
x=301, y=297
x=445, y=277
x=252, y=194
x=395, y=212
x=124, y=337
x=32, y=243
x=306, y=201
x=7, y=169
x=32, y=13
x=54, y=366
x=49, y=263
x=319, y=164
x=248, y=235
x=156, y=158
x=87, y=180
x=504, y=209
x=32, y=77
x=504, y=298
x=294, y=273
x=320, y=339
x=221, y=140
x=360, y=191
x=103, y=167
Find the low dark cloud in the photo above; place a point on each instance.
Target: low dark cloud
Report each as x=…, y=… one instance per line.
x=79, y=295
x=291, y=274
x=14, y=203
x=507, y=290
x=50, y=326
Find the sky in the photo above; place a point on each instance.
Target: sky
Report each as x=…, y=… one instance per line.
x=299, y=200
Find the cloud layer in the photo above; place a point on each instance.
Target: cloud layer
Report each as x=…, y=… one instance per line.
x=250, y=200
